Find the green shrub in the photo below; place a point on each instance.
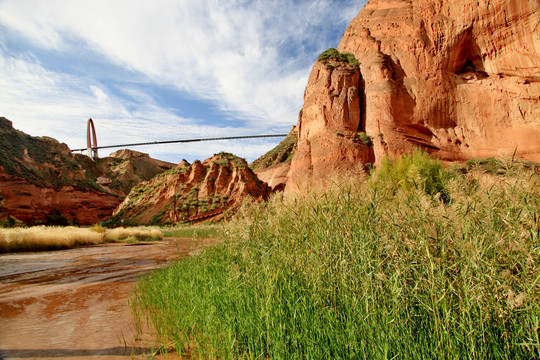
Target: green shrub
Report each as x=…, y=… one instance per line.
x=365, y=138
x=56, y=218
x=333, y=54
x=11, y=222
x=413, y=171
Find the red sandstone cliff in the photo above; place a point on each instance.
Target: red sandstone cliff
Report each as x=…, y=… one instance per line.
x=40, y=182
x=33, y=204
x=459, y=78
x=273, y=167
x=192, y=191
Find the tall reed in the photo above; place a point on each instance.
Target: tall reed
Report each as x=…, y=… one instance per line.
x=365, y=269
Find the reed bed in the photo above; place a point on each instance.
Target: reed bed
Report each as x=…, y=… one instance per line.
x=41, y=238
x=413, y=262
x=195, y=231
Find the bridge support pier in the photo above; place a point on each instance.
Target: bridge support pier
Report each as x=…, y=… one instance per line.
x=91, y=142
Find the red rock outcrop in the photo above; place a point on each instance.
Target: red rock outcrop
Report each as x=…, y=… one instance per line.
x=329, y=123
x=122, y=170
x=33, y=204
x=273, y=167
x=189, y=192
x=459, y=78
x=41, y=182
x=276, y=177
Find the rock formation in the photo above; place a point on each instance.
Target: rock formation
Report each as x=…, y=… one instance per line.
x=459, y=78
x=42, y=182
x=122, y=170
x=273, y=167
x=330, y=126
x=189, y=192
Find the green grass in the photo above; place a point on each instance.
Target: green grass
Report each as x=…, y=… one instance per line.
x=374, y=268
x=195, y=231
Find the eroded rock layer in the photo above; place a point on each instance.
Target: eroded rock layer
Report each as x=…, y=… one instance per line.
x=458, y=78
x=191, y=192
x=41, y=182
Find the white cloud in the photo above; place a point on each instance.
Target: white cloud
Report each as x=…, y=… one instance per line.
x=220, y=50
x=52, y=104
x=249, y=57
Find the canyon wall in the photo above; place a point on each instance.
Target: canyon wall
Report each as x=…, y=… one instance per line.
x=459, y=79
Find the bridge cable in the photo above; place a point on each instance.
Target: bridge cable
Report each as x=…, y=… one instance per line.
x=184, y=141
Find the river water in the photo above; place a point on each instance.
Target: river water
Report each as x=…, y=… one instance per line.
x=74, y=304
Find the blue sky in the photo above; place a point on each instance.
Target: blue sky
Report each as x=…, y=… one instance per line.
x=163, y=69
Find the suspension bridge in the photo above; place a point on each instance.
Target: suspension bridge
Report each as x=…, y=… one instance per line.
x=92, y=146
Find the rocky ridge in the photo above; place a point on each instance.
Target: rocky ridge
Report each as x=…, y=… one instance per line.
x=189, y=192
x=42, y=182
x=122, y=170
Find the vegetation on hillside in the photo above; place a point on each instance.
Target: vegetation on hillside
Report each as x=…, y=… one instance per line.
x=333, y=54
x=282, y=153
x=415, y=261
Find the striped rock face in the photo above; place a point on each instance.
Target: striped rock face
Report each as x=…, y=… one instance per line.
x=193, y=192
x=458, y=78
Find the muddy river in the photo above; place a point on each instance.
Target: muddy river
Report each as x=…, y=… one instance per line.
x=74, y=304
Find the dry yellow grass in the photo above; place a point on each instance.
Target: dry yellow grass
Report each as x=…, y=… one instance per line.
x=129, y=234
x=54, y=238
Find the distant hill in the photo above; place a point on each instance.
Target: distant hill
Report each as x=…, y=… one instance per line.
x=41, y=181
x=123, y=169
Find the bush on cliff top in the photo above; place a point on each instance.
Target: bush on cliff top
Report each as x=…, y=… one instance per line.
x=333, y=54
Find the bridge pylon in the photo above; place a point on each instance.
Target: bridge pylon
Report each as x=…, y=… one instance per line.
x=91, y=141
